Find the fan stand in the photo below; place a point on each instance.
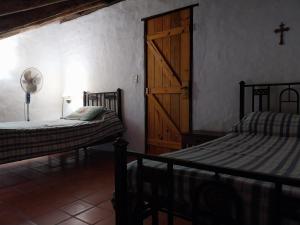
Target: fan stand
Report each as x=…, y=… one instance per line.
x=27, y=105
x=27, y=114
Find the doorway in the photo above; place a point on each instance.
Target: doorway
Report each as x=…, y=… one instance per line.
x=168, y=42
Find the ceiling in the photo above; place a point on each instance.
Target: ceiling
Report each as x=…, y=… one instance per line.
x=17, y=16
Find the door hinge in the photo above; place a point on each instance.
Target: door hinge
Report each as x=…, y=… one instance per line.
x=147, y=91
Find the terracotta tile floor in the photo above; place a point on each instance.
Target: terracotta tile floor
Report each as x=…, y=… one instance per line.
x=59, y=190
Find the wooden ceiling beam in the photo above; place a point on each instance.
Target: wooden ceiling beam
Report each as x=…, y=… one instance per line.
x=77, y=15
x=89, y=11
x=15, y=23
x=16, y=6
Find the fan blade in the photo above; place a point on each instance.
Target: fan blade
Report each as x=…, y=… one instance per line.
x=36, y=81
x=24, y=82
x=30, y=88
x=27, y=75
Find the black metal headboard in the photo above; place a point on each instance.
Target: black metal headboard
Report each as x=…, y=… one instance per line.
x=261, y=96
x=109, y=100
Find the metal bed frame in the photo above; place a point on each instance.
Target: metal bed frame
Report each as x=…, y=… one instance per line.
x=288, y=94
x=111, y=101
x=264, y=91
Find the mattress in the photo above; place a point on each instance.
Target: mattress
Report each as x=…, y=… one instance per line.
x=249, y=151
x=23, y=140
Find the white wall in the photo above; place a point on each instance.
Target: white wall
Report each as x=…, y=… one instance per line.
x=37, y=48
x=236, y=41
x=233, y=41
x=108, y=49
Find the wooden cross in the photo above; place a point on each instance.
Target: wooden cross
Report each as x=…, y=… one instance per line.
x=281, y=30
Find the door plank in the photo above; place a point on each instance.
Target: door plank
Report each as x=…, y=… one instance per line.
x=163, y=112
x=168, y=33
x=165, y=144
x=165, y=90
x=150, y=81
x=185, y=72
x=158, y=27
x=166, y=80
x=176, y=65
x=158, y=55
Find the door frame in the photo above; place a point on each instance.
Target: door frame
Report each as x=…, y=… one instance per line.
x=191, y=7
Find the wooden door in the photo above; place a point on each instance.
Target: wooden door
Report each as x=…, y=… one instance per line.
x=168, y=80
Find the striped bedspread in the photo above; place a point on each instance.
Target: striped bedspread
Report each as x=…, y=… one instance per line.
x=249, y=150
x=23, y=140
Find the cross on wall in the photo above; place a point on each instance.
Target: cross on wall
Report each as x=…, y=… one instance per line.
x=281, y=30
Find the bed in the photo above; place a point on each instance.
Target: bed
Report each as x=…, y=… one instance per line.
x=24, y=140
x=250, y=176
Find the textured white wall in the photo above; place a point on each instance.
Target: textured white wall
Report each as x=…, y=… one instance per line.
x=108, y=49
x=233, y=41
x=37, y=48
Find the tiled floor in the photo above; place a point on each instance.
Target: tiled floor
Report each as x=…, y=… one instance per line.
x=59, y=190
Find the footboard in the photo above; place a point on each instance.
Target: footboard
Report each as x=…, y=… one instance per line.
x=225, y=195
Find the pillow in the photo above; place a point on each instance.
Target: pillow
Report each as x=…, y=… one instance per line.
x=270, y=123
x=86, y=113
x=106, y=115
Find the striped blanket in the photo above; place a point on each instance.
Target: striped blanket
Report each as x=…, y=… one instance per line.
x=23, y=140
x=262, y=142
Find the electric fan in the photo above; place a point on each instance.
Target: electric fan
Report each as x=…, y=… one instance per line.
x=31, y=82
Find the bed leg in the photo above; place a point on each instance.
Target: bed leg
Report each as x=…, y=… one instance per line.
x=154, y=204
x=277, y=212
x=120, y=155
